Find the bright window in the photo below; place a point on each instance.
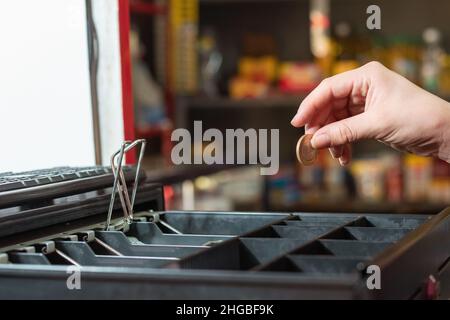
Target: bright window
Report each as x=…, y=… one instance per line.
x=45, y=100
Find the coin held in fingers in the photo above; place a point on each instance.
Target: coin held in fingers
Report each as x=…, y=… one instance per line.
x=306, y=154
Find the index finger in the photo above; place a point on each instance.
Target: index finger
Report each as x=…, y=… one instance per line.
x=321, y=99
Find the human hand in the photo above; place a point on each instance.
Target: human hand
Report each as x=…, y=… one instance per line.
x=373, y=102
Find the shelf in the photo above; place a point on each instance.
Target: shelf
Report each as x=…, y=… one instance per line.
x=151, y=132
x=267, y=102
x=177, y=174
x=146, y=8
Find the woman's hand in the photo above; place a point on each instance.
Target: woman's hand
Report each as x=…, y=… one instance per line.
x=372, y=102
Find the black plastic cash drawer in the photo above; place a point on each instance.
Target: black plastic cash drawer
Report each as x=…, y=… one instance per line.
x=222, y=255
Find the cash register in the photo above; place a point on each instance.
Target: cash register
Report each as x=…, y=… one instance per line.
x=70, y=233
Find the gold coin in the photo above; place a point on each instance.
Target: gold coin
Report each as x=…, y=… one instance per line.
x=306, y=154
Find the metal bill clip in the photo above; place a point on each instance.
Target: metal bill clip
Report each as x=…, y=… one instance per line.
x=120, y=185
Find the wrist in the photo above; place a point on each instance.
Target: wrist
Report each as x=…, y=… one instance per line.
x=444, y=149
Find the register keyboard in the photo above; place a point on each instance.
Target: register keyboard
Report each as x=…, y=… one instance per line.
x=20, y=180
x=212, y=255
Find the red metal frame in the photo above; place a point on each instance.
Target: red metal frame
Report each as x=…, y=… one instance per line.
x=127, y=85
x=140, y=7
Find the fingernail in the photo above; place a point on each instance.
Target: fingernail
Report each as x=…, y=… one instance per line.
x=295, y=118
x=332, y=153
x=321, y=141
x=298, y=116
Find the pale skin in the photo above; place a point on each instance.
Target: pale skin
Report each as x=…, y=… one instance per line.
x=373, y=102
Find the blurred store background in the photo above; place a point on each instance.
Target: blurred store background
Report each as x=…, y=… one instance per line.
x=249, y=63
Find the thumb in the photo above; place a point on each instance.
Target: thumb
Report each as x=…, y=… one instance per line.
x=341, y=132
